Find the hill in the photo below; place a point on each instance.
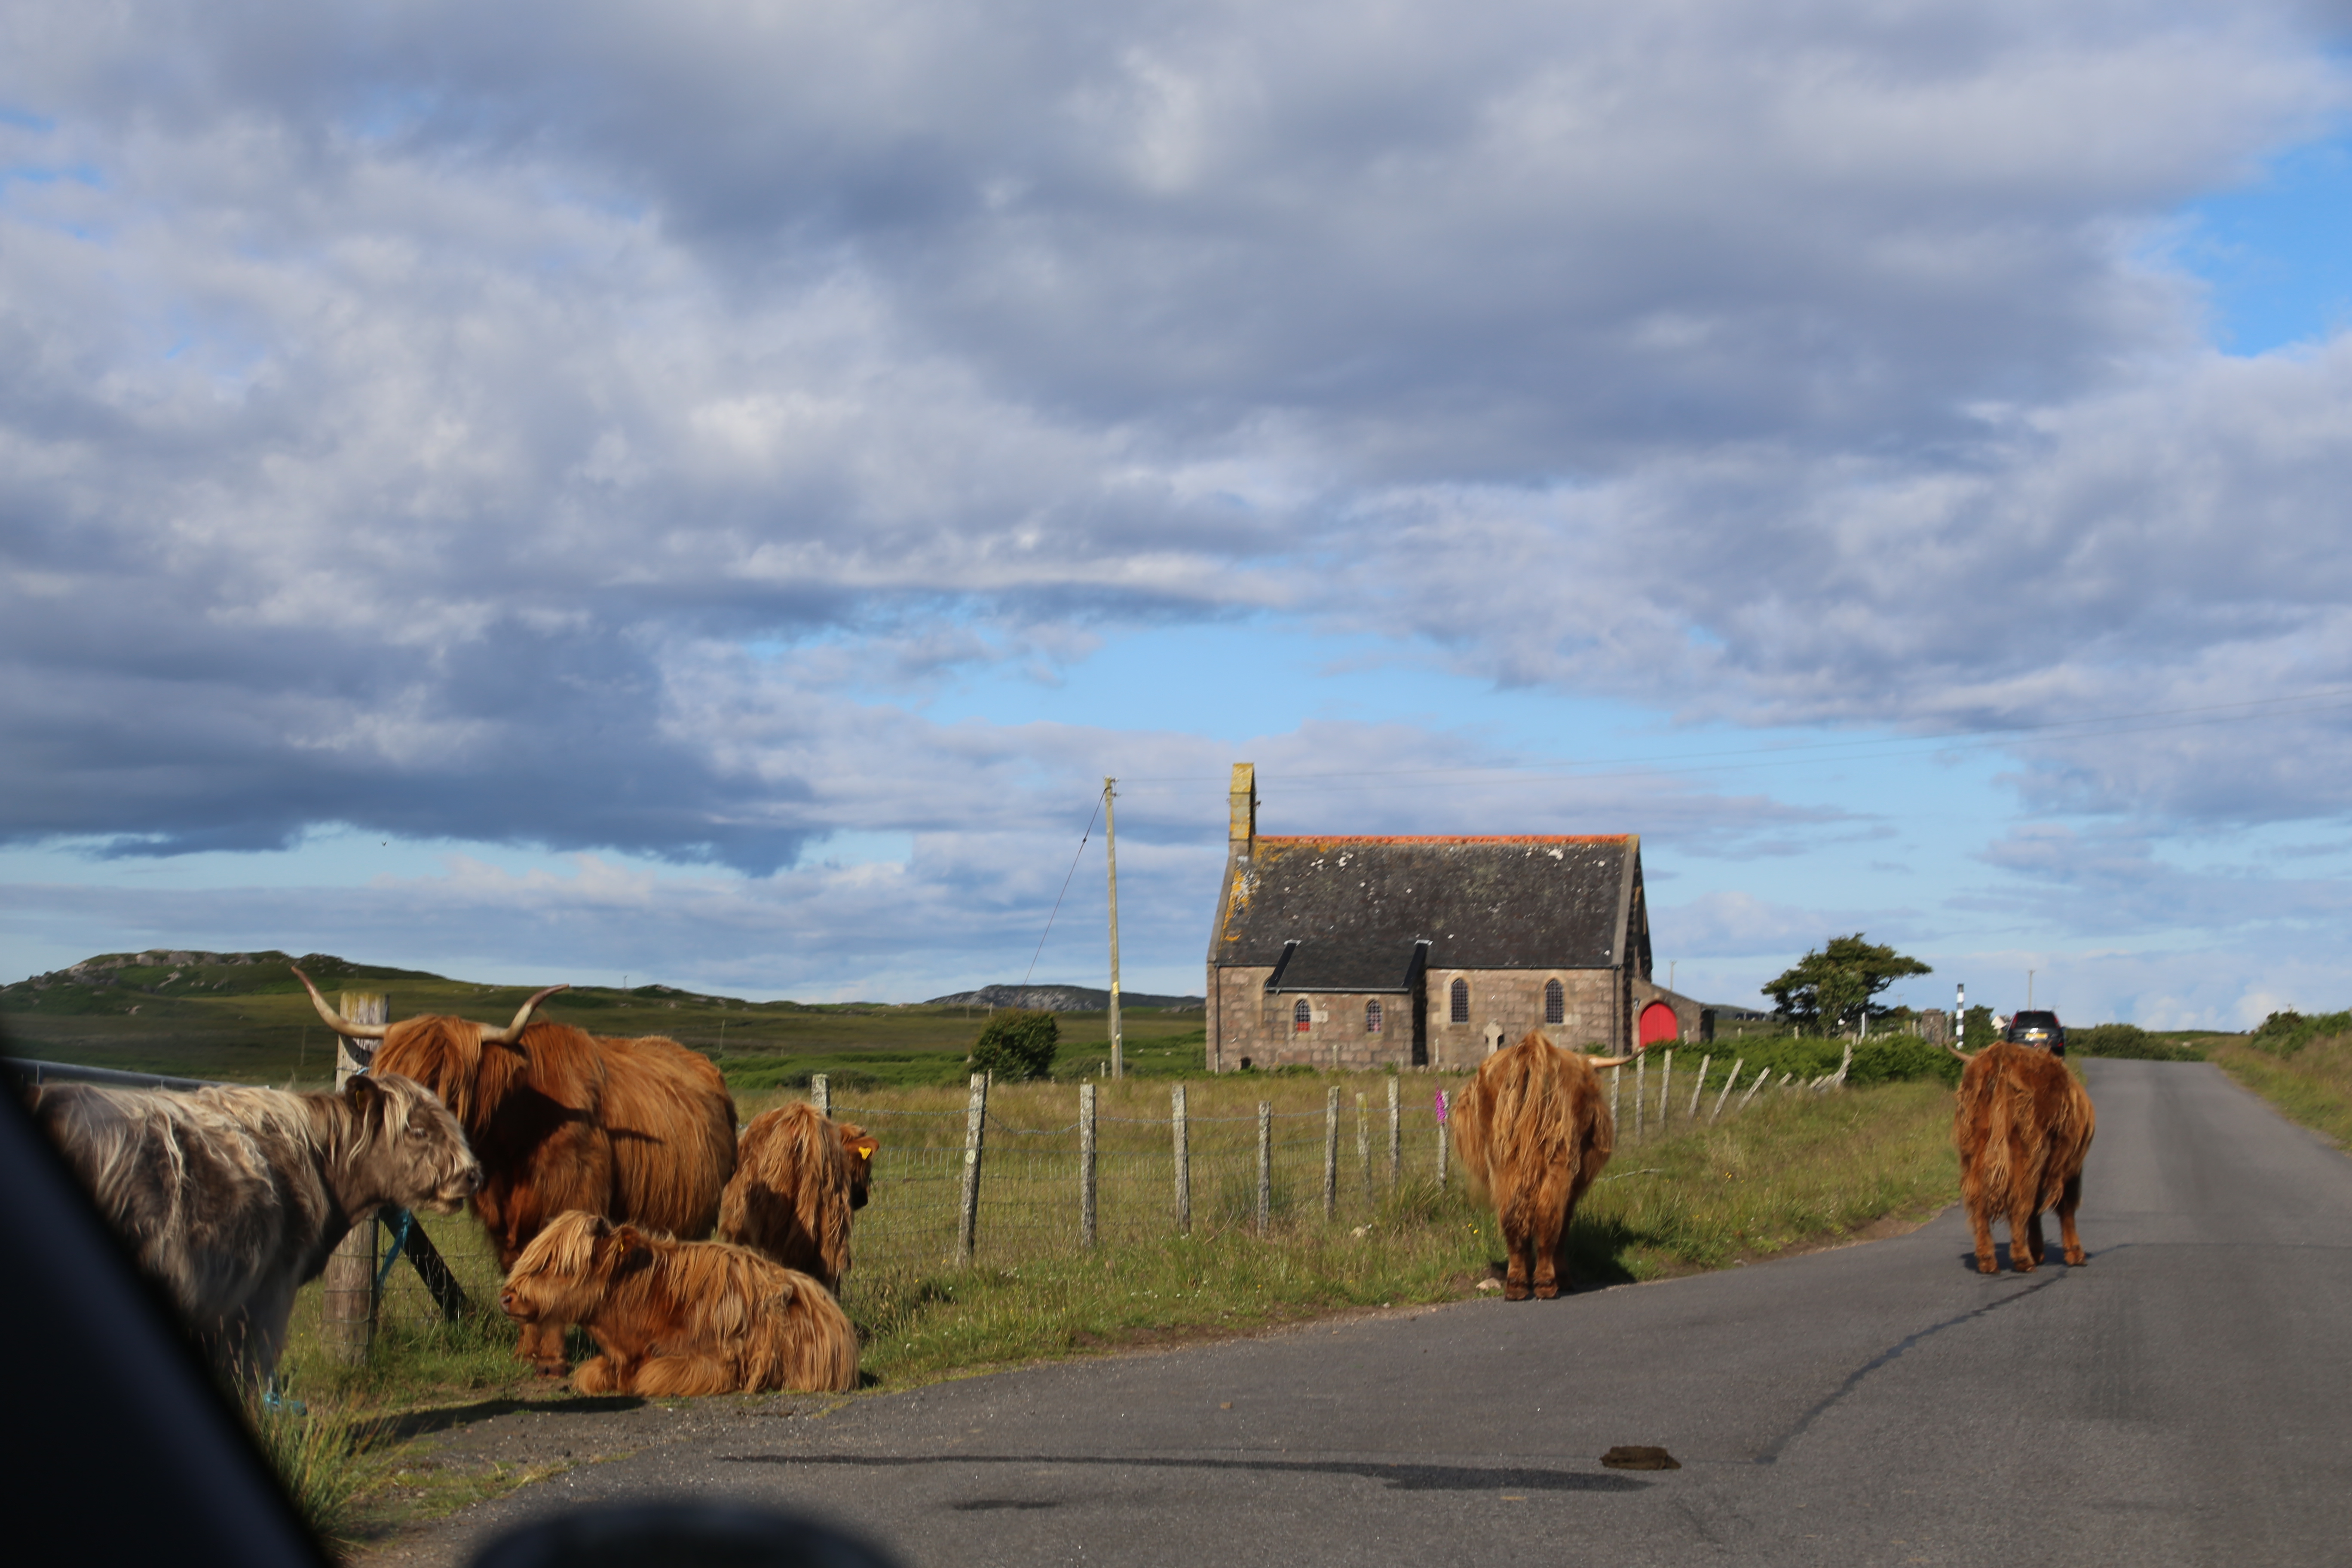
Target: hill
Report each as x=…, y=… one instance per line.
x=244, y=1017
x=1061, y=999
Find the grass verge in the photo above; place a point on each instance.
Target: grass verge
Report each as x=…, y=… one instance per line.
x=2310, y=1080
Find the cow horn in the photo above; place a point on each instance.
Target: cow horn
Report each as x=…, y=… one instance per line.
x=513, y=1031
x=335, y=1020
x=1608, y=1061
x=1964, y=1056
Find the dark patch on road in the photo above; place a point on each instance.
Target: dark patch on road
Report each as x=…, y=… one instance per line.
x=991, y=1504
x=1401, y=1477
x=1894, y=1353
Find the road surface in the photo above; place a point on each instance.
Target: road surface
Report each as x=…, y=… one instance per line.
x=2184, y=1398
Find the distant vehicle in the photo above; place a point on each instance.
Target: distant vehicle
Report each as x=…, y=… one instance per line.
x=2041, y=1029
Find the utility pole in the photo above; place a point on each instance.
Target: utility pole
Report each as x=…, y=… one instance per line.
x=1110, y=857
x=2029, y=990
x=1960, y=1015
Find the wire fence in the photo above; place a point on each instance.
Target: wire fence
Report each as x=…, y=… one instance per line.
x=1033, y=1171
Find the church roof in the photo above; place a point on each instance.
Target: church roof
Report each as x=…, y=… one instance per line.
x=1354, y=914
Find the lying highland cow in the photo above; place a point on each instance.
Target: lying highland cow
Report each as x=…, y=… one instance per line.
x=231, y=1198
x=1534, y=1132
x=2022, y=1124
x=797, y=1178
x=680, y=1317
x=637, y=1130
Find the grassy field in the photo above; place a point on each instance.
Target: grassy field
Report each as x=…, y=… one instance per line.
x=2301, y=1065
x=251, y=1023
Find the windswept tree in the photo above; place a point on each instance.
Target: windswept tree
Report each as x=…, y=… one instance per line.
x=1831, y=988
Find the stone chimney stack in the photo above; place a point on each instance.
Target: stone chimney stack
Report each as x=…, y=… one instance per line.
x=1242, y=811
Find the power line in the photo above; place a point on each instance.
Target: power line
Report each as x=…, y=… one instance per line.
x=1063, y=894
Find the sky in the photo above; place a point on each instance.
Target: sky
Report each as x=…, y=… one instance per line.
x=705, y=494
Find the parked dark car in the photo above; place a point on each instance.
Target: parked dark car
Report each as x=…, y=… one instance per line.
x=2041, y=1029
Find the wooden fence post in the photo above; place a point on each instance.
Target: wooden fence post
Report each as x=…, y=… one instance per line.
x=1444, y=1142
x=1364, y=1148
x=1183, y=1163
x=347, y=1293
x=1640, y=1092
x=1698, y=1089
x=1728, y=1084
x=1616, y=1096
x=1396, y=1136
x=1665, y=1089
x=1330, y=1154
x=975, y=1118
x=821, y=1092
x=1087, y=1166
x=1763, y=1076
x=1264, y=1165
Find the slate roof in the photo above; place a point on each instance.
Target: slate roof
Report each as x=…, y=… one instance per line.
x=1357, y=910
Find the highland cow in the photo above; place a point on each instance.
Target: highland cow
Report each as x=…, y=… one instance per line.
x=635, y=1129
x=798, y=1176
x=680, y=1317
x=2022, y=1124
x=1534, y=1131
x=231, y=1198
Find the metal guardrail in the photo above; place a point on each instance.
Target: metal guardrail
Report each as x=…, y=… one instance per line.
x=34, y=1073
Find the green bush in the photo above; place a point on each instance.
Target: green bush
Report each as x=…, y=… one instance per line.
x=2128, y=1040
x=2283, y=1034
x=1017, y=1045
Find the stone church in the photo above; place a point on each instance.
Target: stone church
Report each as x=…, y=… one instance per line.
x=1357, y=952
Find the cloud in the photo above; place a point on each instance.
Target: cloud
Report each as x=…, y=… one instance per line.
x=415, y=416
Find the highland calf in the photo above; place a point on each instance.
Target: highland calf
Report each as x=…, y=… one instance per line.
x=797, y=1178
x=231, y=1198
x=681, y=1317
x=2022, y=1124
x=635, y=1130
x=1534, y=1131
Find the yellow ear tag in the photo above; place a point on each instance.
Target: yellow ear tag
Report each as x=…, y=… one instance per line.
x=865, y=1153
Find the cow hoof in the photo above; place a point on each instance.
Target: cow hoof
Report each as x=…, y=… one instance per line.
x=1547, y=1292
x=2023, y=1266
x=1513, y=1290
x=2076, y=1258
x=1987, y=1266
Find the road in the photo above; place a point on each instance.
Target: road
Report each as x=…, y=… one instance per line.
x=2184, y=1398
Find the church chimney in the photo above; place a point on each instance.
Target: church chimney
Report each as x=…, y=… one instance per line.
x=1242, y=811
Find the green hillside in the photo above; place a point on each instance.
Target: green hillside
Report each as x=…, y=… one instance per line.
x=243, y=1017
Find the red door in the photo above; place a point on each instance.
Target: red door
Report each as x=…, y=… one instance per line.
x=1659, y=1023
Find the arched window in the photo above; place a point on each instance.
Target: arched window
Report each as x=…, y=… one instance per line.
x=1460, y=993
x=1372, y=1018
x=1301, y=1016
x=1555, y=1003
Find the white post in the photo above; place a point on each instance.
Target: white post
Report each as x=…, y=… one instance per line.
x=1640, y=1092
x=1183, y=1163
x=1698, y=1089
x=1728, y=1084
x=1364, y=1148
x=821, y=1092
x=975, y=1117
x=1396, y=1135
x=1264, y=1165
x=1086, y=1164
x=1330, y=1153
x=1666, y=1088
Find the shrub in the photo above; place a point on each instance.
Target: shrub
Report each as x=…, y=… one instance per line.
x=2283, y=1034
x=1017, y=1045
x=2128, y=1040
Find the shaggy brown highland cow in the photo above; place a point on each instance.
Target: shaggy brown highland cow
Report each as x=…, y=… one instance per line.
x=1533, y=1131
x=635, y=1130
x=797, y=1178
x=681, y=1317
x=2022, y=1124
x=231, y=1198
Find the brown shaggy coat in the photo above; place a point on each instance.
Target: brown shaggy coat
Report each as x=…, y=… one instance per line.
x=642, y=1130
x=2022, y=1124
x=1534, y=1131
x=797, y=1178
x=231, y=1198
x=681, y=1317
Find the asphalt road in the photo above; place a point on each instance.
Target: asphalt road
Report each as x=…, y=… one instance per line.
x=2184, y=1397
